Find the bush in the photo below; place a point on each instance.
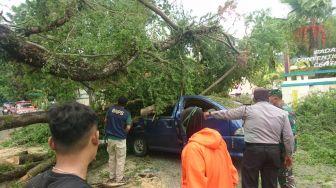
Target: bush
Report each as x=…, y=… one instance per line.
x=316, y=121
x=32, y=135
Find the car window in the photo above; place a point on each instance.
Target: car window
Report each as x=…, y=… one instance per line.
x=205, y=105
x=168, y=111
x=24, y=106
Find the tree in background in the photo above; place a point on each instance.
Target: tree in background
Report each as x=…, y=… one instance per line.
x=269, y=37
x=307, y=18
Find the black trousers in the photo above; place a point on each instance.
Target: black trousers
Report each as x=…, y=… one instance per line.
x=263, y=158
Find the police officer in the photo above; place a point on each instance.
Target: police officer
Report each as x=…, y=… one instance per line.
x=264, y=125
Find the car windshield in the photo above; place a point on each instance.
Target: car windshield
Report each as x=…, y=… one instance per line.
x=24, y=106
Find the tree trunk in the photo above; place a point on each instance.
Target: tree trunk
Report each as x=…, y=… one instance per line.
x=18, y=172
x=147, y=111
x=23, y=158
x=14, y=121
x=219, y=80
x=37, y=169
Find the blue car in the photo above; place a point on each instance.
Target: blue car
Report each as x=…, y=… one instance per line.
x=163, y=133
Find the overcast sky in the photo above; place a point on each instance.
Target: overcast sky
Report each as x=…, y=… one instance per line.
x=201, y=7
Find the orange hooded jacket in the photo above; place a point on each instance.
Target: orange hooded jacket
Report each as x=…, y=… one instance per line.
x=206, y=162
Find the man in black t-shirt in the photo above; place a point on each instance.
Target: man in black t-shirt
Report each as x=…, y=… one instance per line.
x=75, y=139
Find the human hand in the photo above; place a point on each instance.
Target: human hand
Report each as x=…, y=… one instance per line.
x=206, y=115
x=288, y=161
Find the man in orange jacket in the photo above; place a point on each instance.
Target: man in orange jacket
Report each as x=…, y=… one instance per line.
x=206, y=162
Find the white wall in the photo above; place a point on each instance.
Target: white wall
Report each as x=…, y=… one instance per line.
x=293, y=94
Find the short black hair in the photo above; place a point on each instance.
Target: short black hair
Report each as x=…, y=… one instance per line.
x=122, y=101
x=260, y=94
x=70, y=125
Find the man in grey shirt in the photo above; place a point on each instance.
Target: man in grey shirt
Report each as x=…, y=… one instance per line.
x=264, y=125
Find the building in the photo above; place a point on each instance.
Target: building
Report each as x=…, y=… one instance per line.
x=297, y=85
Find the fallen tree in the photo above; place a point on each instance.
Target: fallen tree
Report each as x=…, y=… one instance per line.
x=17, y=173
x=22, y=43
x=14, y=121
x=37, y=169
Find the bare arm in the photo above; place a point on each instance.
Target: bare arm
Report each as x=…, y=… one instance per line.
x=127, y=128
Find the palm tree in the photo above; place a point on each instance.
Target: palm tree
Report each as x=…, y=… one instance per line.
x=307, y=17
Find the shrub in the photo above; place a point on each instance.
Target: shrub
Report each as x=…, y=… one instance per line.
x=316, y=121
x=32, y=135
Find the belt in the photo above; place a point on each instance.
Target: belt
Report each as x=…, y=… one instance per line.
x=260, y=144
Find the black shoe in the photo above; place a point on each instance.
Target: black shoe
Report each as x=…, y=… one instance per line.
x=113, y=180
x=124, y=180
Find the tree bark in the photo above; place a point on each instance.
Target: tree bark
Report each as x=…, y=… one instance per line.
x=219, y=80
x=16, y=173
x=160, y=13
x=14, y=121
x=23, y=158
x=37, y=169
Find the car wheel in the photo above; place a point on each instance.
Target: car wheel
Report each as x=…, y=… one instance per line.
x=139, y=147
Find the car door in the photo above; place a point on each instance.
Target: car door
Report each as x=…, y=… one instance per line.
x=162, y=135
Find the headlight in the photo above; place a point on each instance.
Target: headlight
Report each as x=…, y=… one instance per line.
x=239, y=132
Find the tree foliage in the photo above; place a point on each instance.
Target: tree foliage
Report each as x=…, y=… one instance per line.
x=306, y=20
x=146, y=50
x=268, y=39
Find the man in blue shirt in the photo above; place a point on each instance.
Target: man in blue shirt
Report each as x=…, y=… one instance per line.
x=118, y=123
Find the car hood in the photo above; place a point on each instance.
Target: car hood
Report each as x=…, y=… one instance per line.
x=207, y=137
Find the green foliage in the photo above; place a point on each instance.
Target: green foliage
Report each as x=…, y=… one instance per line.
x=317, y=128
x=5, y=168
x=227, y=102
x=269, y=36
x=21, y=82
x=330, y=27
x=120, y=28
x=305, y=10
x=32, y=135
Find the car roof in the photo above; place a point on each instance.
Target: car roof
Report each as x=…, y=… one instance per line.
x=204, y=98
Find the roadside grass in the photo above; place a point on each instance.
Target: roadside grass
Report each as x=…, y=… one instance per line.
x=32, y=135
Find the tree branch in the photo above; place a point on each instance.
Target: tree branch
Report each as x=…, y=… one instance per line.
x=160, y=13
x=133, y=58
x=34, y=55
x=173, y=40
x=54, y=24
x=84, y=55
x=225, y=43
x=207, y=90
x=156, y=57
x=87, y=85
x=4, y=18
x=230, y=42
